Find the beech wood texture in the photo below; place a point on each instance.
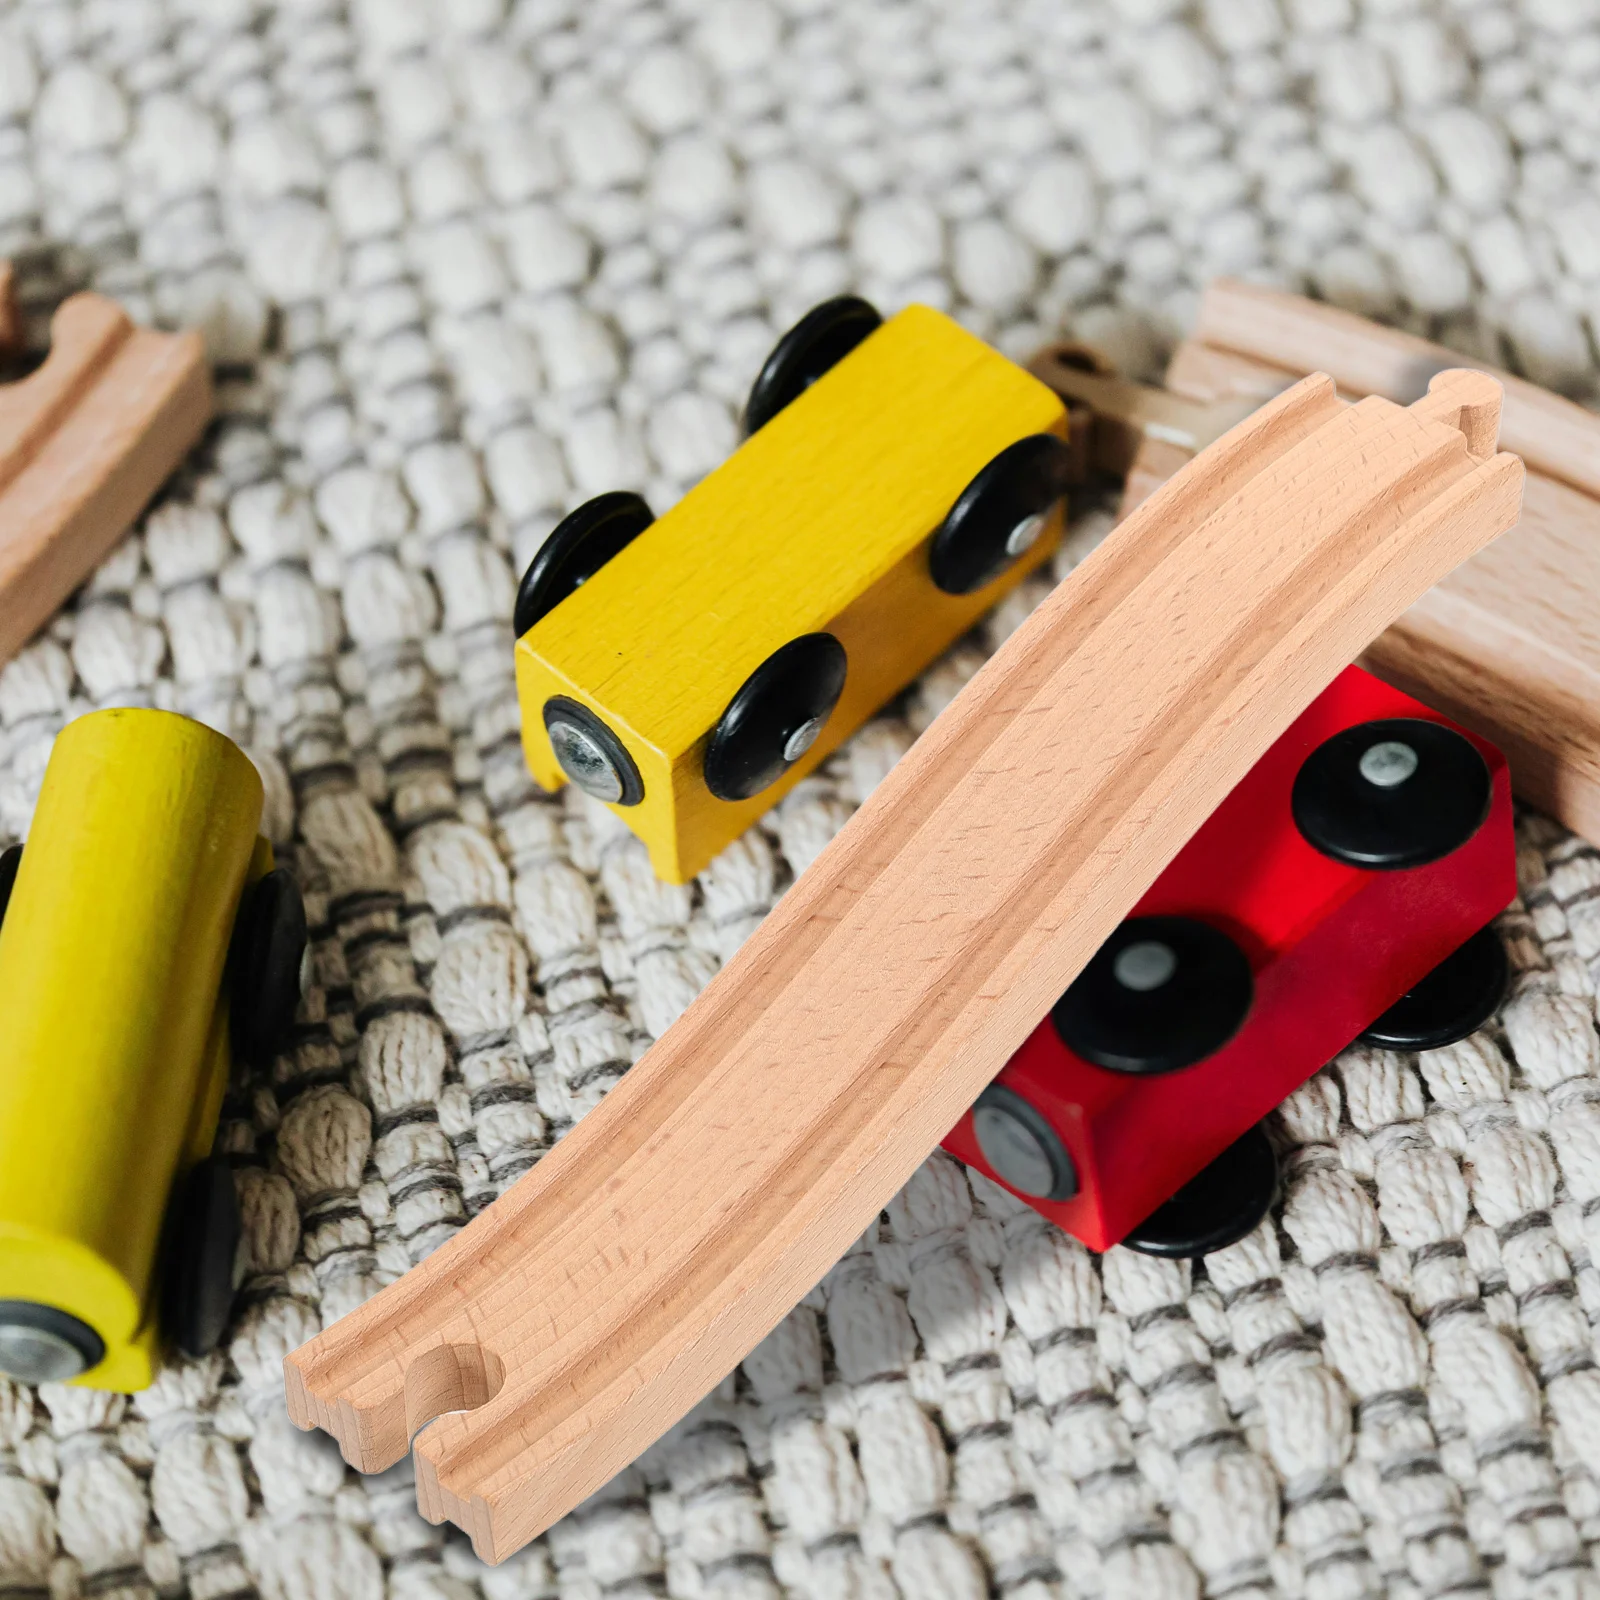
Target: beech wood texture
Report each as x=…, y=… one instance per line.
x=612, y=1287
x=1508, y=645
x=85, y=440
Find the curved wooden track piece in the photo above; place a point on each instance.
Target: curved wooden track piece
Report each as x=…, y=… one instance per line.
x=1509, y=644
x=611, y=1288
x=84, y=442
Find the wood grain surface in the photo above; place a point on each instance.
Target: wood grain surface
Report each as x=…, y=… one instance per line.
x=1555, y=437
x=585, y=1311
x=85, y=440
x=1509, y=643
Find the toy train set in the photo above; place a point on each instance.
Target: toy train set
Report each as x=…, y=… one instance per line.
x=897, y=478
x=1159, y=887
x=146, y=942
x=1025, y=860
x=688, y=671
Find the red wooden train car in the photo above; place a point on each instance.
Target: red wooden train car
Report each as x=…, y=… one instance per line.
x=1343, y=890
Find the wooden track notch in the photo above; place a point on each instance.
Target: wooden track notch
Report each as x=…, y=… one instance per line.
x=85, y=440
x=575, y=1320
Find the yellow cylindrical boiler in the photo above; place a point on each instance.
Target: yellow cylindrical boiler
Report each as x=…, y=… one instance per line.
x=113, y=1029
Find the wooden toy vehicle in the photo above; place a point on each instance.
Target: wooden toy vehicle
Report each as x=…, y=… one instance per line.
x=146, y=940
x=898, y=478
x=1343, y=889
x=1506, y=644
x=568, y=1325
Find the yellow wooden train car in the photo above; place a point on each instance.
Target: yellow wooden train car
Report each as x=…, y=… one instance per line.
x=145, y=941
x=897, y=479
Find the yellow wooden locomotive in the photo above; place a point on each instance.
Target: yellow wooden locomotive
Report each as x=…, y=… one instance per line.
x=897, y=479
x=145, y=941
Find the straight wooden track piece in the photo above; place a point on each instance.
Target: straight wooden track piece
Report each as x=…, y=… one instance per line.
x=1509, y=644
x=85, y=440
x=584, y=1312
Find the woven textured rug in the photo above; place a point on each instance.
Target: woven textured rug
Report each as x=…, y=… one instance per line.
x=462, y=265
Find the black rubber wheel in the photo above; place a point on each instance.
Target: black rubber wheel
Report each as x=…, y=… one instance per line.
x=202, y=1239
x=1215, y=1208
x=1453, y=1000
x=775, y=717
x=1000, y=513
x=43, y=1344
x=1020, y=1145
x=590, y=754
x=10, y=860
x=269, y=945
x=819, y=341
x=578, y=546
x=1161, y=993
x=1396, y=793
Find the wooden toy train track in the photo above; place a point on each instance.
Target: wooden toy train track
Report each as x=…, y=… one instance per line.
x=574, y=1321
x=1507, y=644
x=84, y=442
